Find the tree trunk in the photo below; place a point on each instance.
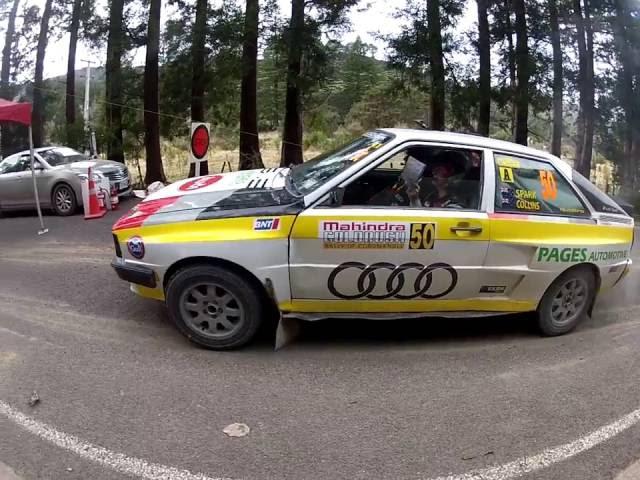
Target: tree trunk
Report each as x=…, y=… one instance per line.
x=628, y=98
x=582, y=74
x=6, y=51
x=556, y=138
x=522, y=65
x=37, y=117
x=70, y=101
x=113, y=82
x=5, y=74
x=484, y=50
x=198, y=60
x=155, y=171
x=589, y=88
x=512, y=66
x=437, y=65
x=249, y=140
x=292, y=130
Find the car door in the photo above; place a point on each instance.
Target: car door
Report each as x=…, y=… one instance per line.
x=540, y=227
x=352, y=257
x=14, y=186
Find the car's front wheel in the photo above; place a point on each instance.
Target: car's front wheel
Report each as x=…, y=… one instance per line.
x=64, y=200
x=214, y=307
x=567, y=301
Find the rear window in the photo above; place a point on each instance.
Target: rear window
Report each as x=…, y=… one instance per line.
x=524, y=185
x=599, y=200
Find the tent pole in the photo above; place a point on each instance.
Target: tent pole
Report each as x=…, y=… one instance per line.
x=35, y=185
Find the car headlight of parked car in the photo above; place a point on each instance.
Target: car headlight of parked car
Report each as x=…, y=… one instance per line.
x=96, y=177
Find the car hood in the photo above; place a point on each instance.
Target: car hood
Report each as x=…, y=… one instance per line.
x=234, y=194
x=103, y=166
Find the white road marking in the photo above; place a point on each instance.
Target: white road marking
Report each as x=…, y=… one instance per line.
x=153, y=471
x=551, y=455
x=27, y=337
x=116, y=461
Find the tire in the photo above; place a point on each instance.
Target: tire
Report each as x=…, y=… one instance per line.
x=214, y=307
x=567, y=301
x=63, y=200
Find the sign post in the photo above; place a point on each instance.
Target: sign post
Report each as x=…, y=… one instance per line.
x=200, y=140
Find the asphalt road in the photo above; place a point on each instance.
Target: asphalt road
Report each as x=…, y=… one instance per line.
x=357, y=400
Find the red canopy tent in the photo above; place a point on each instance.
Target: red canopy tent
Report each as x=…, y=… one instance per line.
x=21, y=113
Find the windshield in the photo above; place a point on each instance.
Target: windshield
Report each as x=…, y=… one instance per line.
x=308, y=176
x=62, y=156
x=9, y=164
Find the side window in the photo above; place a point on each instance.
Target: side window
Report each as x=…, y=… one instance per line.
x=24, y=164
x=421, y=177
x=525, y=185
x=599, y=200
x=16, y=164
x=9, y=164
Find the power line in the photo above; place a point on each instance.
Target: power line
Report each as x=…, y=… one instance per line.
x=160, y=114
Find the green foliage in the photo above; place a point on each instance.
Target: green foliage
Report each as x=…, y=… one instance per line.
x=391, y=102
x=224, y=49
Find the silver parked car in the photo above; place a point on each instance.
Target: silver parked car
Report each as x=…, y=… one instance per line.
x=59, y=173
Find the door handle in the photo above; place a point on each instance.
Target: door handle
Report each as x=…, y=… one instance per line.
x=466, y=228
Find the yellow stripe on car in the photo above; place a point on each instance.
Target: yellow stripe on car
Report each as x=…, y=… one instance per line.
x=554, y=233
x=408, y=306
x=218, y=230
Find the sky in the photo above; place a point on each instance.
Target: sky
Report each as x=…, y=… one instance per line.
x=369, y=19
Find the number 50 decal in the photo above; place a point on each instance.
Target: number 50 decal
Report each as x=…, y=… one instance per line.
x=549, y=186
x=423, y=236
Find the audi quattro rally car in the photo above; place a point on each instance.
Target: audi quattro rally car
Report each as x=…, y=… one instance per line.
x=398, y=223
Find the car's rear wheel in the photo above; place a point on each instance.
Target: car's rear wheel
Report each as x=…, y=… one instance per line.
x=214, y=307
x=567, y=301
x=63, y=200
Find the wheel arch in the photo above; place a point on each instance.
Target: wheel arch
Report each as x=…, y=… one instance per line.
x=596, y=275
x=260, y=287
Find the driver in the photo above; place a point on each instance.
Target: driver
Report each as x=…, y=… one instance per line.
x=441, y=197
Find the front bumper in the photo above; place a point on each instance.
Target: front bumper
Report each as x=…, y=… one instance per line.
x=137, y=274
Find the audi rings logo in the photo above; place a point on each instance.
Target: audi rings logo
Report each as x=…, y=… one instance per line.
x=395, y=282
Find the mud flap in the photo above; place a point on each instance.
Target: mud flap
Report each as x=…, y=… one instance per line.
x=287, y=331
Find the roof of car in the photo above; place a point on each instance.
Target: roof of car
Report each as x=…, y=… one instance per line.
x=470, y=140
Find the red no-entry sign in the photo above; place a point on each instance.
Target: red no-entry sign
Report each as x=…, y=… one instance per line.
x=200, y=141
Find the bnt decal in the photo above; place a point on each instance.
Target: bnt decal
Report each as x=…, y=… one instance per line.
x=263, y=224
x=135, y=245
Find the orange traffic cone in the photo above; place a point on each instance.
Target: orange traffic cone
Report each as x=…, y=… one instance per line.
x=93, y=208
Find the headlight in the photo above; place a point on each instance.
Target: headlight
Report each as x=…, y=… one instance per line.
x=96, y=177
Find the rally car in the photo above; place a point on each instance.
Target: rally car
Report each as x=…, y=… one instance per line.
x=398, y=223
